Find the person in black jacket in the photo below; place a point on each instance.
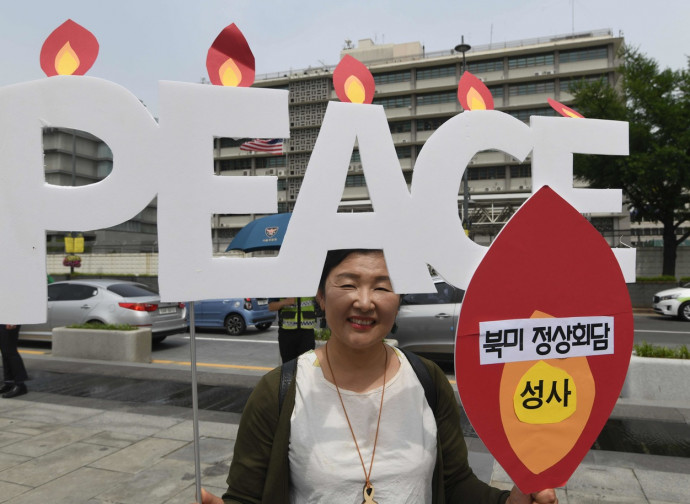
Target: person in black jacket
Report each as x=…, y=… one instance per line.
x=14, y=372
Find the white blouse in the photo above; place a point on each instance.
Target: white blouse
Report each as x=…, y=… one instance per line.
x=324, y=465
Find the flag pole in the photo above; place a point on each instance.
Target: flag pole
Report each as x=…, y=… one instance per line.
x=195, y=402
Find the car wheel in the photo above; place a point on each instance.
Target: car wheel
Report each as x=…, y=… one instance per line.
x=684, y=311
x=263, y=326
x=157, y=339
x=234, y=324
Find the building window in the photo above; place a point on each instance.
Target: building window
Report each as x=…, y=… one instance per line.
x=529, y=88
x=395, y=102
x=282, y=207
x=270, y=162
x=435, y=72
x=530, y=61
x=236, y=164
x=355, y=158
x=520, y=171
x=282, y=184
x=603, y=224
x=565, y=84
x=404, y=152
x=486, y=173
x=400, y=126
x=231, y=142
x=430, y=124
x=495, y=65
x=392, y=77
x=589, y=53
x=435, y=98
x=525, y=114
x=496, y=91
x=355, y=181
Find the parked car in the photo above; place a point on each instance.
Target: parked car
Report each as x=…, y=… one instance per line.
x=427, y=323
x=233, y=314
x=107, y=302
x=673, y=302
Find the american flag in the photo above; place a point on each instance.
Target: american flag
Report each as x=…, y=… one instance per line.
x=273, y=145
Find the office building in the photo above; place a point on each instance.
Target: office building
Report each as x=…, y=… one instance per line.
x=418, y=90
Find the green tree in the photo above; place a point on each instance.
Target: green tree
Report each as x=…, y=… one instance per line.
x=655, y=177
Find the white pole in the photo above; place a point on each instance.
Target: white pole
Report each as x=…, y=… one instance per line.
x=195, y=403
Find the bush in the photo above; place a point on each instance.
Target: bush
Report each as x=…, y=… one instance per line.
x=647, y=350
x=661, y=278
x=322, y=334
x=105, y=327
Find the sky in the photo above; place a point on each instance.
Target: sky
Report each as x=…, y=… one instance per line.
x=146, y=41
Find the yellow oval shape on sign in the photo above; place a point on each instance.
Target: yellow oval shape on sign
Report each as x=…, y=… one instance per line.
x=545, y=395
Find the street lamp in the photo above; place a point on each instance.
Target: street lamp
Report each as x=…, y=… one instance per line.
x=463, y=48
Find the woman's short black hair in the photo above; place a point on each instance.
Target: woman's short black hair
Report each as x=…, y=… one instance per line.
x=335, y=257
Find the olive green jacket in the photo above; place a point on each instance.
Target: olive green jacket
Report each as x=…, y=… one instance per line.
x=260, y=470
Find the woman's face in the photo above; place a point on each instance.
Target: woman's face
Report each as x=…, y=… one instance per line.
x=359, y=301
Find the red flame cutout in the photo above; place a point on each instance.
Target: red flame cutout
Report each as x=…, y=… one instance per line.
x=353, y=81
x=563, y=110
x=230, y=61
x=473, y=93
x=548, y=258
x=70, y=49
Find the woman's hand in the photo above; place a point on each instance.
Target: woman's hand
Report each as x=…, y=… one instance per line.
x=547, y=496
x=209, y=498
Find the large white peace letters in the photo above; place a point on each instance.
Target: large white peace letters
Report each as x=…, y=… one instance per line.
x=174, y=160
x=189, y=193
x=29, y=206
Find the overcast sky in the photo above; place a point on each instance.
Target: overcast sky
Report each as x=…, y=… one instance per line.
x=144, y=41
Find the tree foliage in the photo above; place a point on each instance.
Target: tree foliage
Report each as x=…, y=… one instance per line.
x=655, y=177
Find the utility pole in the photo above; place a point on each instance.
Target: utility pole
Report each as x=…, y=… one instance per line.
x=463, y=48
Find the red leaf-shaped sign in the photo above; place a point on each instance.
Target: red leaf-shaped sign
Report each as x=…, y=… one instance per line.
x=544, y=342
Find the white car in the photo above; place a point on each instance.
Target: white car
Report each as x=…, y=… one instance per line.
x=107, y=301
x=427, y=323
x=673, y=302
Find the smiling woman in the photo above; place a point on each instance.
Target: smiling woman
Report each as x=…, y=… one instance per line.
x=354, y=416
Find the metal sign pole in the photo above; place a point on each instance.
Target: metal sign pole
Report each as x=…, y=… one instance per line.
x=195, y=403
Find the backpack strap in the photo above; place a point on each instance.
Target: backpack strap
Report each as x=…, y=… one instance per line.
x=423, y=376
x=287, y=374
x=289, y=370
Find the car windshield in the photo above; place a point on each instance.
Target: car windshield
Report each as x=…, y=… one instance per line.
x=131, y=290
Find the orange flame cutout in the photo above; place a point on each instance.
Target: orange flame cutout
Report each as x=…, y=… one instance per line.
x=473, y=93
x=563, y=110
x=70, y=49
x=230, y=61
x=353, y=81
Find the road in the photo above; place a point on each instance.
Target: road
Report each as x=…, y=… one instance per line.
x=257, y=351
x=260, y=349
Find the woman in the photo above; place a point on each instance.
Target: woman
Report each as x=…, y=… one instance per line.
x=13, y=370
x=355, y=425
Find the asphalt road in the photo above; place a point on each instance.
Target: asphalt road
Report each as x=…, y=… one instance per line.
x=260, y=349
x=257, y=351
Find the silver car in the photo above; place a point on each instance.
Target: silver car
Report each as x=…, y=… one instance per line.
x=427, y=323
x=107, y=302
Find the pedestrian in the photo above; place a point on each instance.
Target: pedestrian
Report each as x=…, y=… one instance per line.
x=358, y=421
x=296, y=324
x=13, y=370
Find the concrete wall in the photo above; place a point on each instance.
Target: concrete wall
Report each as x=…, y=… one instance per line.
x=657, y=379
x=650, y=260
x=144, y=268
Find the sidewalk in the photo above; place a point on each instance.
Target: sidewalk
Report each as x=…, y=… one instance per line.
x=58, y=448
